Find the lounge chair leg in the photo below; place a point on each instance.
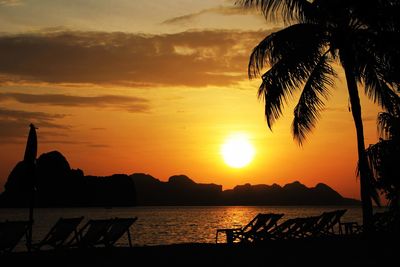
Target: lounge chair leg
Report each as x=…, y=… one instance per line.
x=129, y=239
x=229, y=237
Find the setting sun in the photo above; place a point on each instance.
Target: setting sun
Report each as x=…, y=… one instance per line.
x=237, y=151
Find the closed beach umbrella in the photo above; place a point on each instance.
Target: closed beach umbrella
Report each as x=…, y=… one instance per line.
x=30, y=163
x=31, y=146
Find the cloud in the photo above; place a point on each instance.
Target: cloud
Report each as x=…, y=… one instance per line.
x=10, y=2
x=14, y=124
x=98, y=146
x=195, y=58
x=131, y=104
x=221, y=10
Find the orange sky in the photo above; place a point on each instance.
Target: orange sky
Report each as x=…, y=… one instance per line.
x=157, y=87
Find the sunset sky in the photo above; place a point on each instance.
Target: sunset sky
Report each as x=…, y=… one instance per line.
x=122, y=86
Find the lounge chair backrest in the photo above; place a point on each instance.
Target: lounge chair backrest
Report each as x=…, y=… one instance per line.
x=281, y=230
x=118, y=227
x=11, y=233
x=273, y=221
x=291, y=228
x=327, y=222
x=256, y=223
x=60, y=232
x=91, y=233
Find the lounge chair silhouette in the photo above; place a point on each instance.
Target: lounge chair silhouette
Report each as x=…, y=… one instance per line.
x=118, y=228
x=304, y=227
x=328, y=224
x=386, y=222
x=59, y=233
x=248, y=233
x=289, y=229
x=91, y=234
x=11, y=232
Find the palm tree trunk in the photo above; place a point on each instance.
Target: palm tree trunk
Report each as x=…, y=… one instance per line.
x=362, y=156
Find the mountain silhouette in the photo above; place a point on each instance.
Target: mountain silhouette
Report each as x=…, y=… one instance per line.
x=57, y=185
x=179, y=190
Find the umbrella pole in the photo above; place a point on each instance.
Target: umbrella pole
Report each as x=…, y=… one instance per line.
x=30, y=161
x=31, y=206
x=29, y=237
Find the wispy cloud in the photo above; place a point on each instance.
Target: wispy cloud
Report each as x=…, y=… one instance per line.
x=221, y=10
x=131, y=104
x=10, y=2
x=14, y=123
x=196, y=58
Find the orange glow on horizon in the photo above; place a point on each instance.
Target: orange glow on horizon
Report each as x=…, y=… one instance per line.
x=134, y=94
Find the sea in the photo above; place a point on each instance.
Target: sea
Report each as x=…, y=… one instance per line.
x=170, y=224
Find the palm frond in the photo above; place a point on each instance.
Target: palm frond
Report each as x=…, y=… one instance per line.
x=298, y=40
x=307, y=110
x=384, y=165
x=374, y=61
x=277, y=86
x=384, y=124
x=290, y=10
x=377, y=89
x=389, y=125
x=373, y=173
x=292, y=59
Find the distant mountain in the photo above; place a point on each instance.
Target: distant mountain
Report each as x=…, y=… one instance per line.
x=179, y=190
x=291, y=194
x=57, y=185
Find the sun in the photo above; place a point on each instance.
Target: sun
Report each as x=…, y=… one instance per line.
x=237, y=151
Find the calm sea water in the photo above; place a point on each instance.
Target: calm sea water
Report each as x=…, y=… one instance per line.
x=167, y=225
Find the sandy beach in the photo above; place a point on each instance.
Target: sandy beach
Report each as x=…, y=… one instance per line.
x=339, y=251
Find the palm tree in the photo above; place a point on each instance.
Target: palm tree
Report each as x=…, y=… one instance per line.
x=384, y=156
x=319, y=33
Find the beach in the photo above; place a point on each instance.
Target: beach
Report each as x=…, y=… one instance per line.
x=335, y=251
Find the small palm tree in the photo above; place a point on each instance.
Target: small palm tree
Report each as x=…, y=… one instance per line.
x=384, y=156
x=319, y=33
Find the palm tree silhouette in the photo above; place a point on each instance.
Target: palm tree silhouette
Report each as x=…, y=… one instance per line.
x=384, y=156
x=354, y=33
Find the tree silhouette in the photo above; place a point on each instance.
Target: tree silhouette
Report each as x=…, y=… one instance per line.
x=357, y=34
x=384, y=156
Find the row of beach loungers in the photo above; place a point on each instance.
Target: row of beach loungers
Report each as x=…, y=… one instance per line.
x=66, y=234
x=270, y=226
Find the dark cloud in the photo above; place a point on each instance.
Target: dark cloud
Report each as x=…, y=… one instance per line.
x=196, y=58
x=64, y=142
x=131, y=104
x=14, y=124
x=221, y=10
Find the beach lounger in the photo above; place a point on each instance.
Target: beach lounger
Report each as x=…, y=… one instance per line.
x=11, y=232
x=118, y=228
x=91, y=234
x=59, y=233
x=328, y=224
x=249, y=233
x=293, y=228
x=387, y=222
